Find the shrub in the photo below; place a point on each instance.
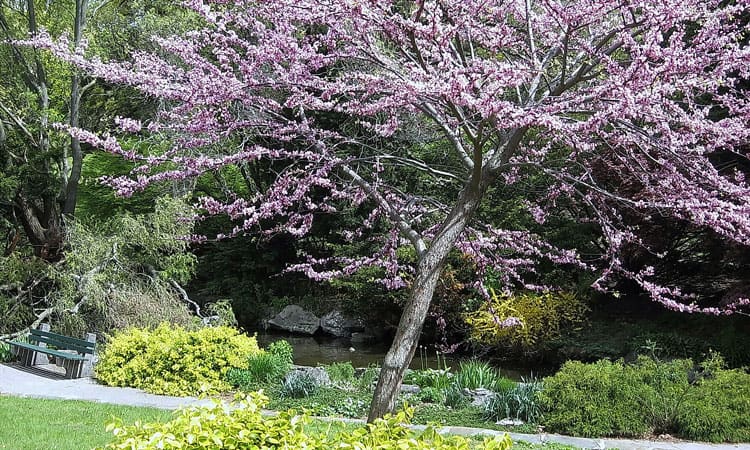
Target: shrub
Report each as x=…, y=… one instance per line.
x=544, y=317
x=592, y=400
x=702, y=403
x=718, y=409
x=520, y=402
x=283, y=349
x=340, y=372
x=476, y=374
x=241, y=378
x=174, y=361
x=298, y=384
x=241, y=425
x=266, y=367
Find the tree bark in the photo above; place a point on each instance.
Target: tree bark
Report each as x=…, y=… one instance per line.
x=428, y=272
x=70, y=184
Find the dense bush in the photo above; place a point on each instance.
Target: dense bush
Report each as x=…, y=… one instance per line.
x=241, y=425
x=703, y=402
x=175, y=361
x=543, y=316
x=719, y=410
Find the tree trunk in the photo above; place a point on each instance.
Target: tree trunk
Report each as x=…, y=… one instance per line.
x=70, y=184
x=42, y=227
x=428, y=273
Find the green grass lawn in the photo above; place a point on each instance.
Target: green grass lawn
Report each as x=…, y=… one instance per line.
x=35, y=424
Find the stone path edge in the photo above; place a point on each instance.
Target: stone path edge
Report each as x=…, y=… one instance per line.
x=31, y=384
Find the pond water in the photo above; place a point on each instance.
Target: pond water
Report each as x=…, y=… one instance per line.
x=315, y=351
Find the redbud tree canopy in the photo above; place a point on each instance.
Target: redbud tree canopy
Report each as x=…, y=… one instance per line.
x=591, y=94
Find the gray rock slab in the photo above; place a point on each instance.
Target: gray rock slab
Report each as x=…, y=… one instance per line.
x=295, y=319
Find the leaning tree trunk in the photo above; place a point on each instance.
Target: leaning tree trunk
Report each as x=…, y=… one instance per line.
x=414, y=314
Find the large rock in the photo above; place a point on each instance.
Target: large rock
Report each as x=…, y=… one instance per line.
x=295, y=319
x=337, y=324
x=480, y=396
x=318, y=374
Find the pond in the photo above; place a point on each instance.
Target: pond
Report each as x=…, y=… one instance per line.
x=315, y=351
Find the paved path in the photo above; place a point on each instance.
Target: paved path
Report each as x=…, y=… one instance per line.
x=25, y=382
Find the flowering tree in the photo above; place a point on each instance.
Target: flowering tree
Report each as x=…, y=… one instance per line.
x=591, y=94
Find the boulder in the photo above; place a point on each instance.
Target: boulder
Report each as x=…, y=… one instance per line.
x=337, y=324
x=295, y=319
x=318, y=374
x=410, y=389
x=480, y=396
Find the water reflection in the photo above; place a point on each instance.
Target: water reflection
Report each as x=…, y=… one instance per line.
x=314, y=351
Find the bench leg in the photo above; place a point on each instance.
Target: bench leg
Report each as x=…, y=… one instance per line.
x=72, y=368
x=26, y=356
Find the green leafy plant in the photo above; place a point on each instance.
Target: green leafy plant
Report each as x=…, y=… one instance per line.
x=454, y=396
x=544, y=316
x=475, y=374
x=266, y=367
x=435, y=378
x=367, y=379
x=174, y=361
x=242, y=425
x=298, y=384
x=283, y=349
x=326, y=401
x=431, y=394
x=5, y=353
x=703, y=402
x=242, y=379
x=717, y=410
x=520, y=402
x=592, y=400
x=340, y=372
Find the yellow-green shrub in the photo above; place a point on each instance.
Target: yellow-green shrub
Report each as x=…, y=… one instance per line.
x=241, y=425
x=544, y=316
x=174, y=361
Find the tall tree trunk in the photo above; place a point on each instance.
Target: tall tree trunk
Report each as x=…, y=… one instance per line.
x=414, y=314
x=70, y=184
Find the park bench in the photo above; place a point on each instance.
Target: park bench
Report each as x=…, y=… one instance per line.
x=72, y=353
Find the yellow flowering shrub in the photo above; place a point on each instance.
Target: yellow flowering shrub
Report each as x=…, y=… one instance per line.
x=543, y=317
x=174, y=361
x=240, y=425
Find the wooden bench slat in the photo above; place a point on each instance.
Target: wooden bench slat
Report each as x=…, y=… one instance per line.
x=60, y=344
x=88, y=347
x=48, y=351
